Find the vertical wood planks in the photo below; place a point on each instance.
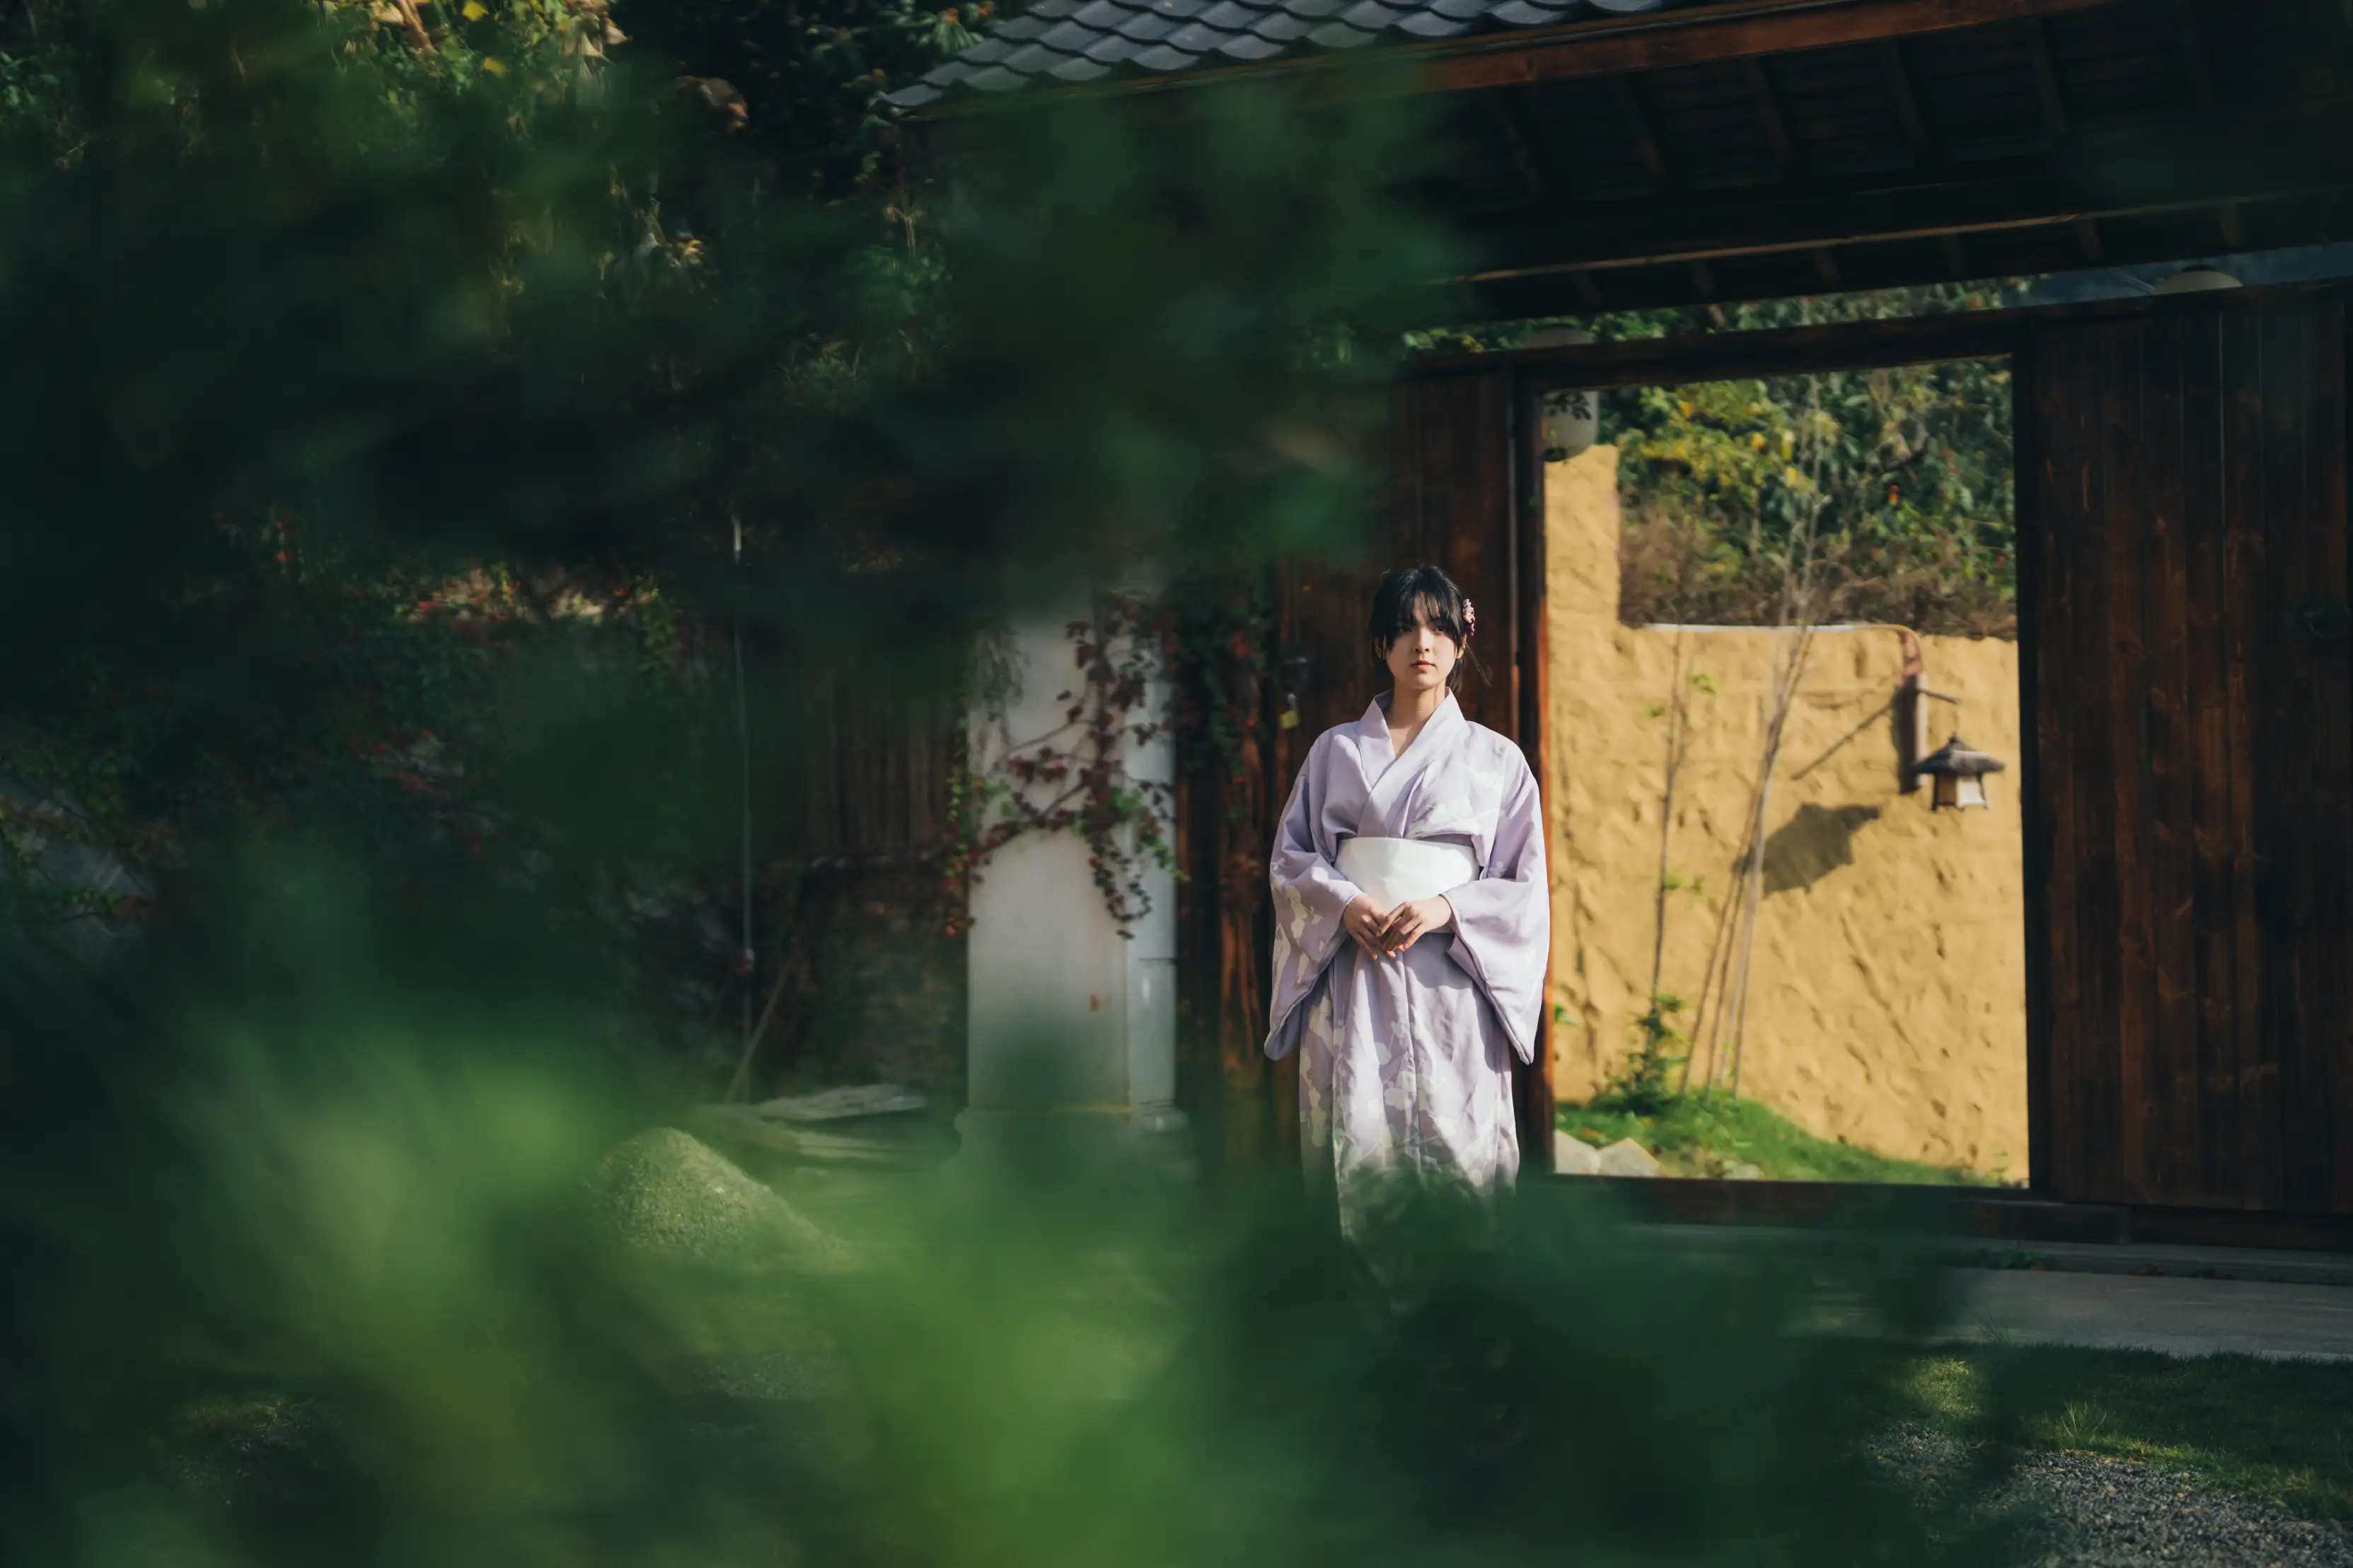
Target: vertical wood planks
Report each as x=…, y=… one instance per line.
x=2314, y=654
x=1465, y=524
x=2065, y=385
x=2183, y=578
x=2213, y=813
x=2168, y=1172
x=2122, y=1104
x=2254, y=1180
x=2031, y=487
x=1531, y=662
x=2330, y=717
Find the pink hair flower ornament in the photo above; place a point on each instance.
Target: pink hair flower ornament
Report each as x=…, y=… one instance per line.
x=1470, y=617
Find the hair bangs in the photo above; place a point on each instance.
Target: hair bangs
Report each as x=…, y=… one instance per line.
x=1413, y=594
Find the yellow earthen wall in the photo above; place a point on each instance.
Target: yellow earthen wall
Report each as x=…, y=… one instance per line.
x=1887, y=981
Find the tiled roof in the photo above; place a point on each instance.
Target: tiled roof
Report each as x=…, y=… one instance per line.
x=1091, y=40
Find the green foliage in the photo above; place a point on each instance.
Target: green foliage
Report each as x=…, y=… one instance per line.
x=1906, y=473
x=380, y=441
x=1641, y=1085
x=332, y=1285
x=1903, y=474
x=2261, y=1428
x=1707, y=1133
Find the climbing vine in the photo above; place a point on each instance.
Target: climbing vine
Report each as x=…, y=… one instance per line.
x=1204, y=643
x=1076, y=776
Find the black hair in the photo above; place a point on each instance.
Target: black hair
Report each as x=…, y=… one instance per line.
x=1416, y=592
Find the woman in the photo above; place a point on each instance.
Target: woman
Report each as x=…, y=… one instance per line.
x=1412, y=922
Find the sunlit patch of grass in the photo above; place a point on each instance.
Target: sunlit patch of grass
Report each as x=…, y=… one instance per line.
x=1712, y=1134
x=2278, y=1430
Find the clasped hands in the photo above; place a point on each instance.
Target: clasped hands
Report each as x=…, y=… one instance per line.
x=1385, y=933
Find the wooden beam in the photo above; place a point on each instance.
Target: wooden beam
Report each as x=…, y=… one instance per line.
x=1897, y=74
x=1803, y=350
x=2185, y=171
x=2046, y=78
x=1955, y=252
x=1562, y=293
x=1826, y=267
x=1509, y=114
x=2189, y=40
x=1628, y=91
x=1667, y=39
x=1723, y=356
x=1768, y=115
x=2087, y=237
x=1703, y=280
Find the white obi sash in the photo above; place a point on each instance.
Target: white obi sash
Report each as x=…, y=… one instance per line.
x=1392, y=871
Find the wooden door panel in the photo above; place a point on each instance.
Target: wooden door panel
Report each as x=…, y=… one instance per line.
x=2183, y=579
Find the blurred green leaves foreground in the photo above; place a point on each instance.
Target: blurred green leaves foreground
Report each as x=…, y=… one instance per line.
x=330, y=1280
x=381, y=425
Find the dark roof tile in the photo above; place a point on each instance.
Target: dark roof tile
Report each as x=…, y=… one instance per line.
x=1146, y=28
x=1232, y=15
x=1111, y=50
x=1430, y=24
x=987, y=52
x=1520, y=14
x=1371, y=16
x=1197, y=38
x=1249, y=46
x=1083, y=40
x=1035, y=59
x=1160, y=59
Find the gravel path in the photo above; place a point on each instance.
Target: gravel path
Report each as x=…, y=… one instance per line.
x=2117, y=1513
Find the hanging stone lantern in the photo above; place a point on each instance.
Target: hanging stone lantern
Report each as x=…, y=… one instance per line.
x=1957, y=774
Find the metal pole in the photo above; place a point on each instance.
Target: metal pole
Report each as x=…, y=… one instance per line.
x=745, y=960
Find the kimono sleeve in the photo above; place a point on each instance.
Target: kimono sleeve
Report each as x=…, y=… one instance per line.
x=1503, y=921
x=1310, y=896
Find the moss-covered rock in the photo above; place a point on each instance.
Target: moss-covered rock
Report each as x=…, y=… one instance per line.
x=667, y=1194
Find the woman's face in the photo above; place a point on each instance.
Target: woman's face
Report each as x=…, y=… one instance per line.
x=1422, y=657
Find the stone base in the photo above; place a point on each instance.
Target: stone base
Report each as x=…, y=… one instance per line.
x=1151, y=1143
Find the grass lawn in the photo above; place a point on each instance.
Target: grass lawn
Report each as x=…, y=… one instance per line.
x=1710, y=1134
x=2270, y=1429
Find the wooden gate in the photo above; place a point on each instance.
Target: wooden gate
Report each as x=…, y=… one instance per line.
x=2181, y=491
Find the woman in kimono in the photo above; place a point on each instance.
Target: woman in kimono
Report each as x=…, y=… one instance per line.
x=1412, y=923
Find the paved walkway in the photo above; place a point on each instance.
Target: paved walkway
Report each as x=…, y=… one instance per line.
x=2180, y=1301
x=2177, y=1317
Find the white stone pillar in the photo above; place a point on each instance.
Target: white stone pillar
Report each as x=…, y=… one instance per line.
x=1071, y=1026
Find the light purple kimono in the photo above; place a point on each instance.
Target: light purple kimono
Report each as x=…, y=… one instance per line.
x=1407, y=1060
